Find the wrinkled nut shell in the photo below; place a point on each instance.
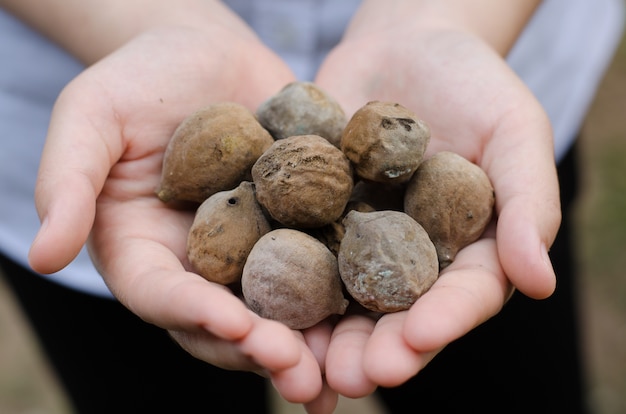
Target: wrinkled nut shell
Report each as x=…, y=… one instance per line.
x=386, y=260
x=385, y=141
x=302, y=108
x=303, y=181
x=225, y=228
x=211, y=150
x=292, y=278
x=453, y=200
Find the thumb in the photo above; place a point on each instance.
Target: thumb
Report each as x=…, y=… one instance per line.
x=527, y=199
x=524, y=237
x=74, y=164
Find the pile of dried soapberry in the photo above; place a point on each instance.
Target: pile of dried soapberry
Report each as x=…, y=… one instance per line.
x=305, y=211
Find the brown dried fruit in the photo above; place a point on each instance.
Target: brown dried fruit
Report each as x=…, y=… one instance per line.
x=385, y=141
x=303, y=181
x=224, y=230
x=211, y=150
x=453, y=200
x=386, y=260
x=293, y=278
x=302, y=108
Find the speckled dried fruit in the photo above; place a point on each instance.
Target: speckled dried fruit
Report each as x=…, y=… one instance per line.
x=293, y=278
x=385, y=141
x=386, y=260
x=211, y=150
x=225, y=228
x=303, y=181
x=302, y=108
x=453, y=200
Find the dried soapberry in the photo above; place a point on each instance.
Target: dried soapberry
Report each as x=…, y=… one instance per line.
x=303, y=181
x=223, y=232
x=385, y=141
x=302, y=108
x=386, y=260
x=293, y=278
x=211, y=150
x=453, y=200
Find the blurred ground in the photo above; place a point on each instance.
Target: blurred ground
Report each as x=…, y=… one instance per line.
x=601, y=240
x=27, y=386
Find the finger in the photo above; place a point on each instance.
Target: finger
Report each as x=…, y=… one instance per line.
x=317, y=339
x=388, y=359
x=468, y=292
x=524, y=237
x=215, y=351
x=282, y=352
x=301, y=383
x=344, y=360
x=251, y=353
x=74, y=164
x=155, y=287
x=520, y=162
x=324, y=403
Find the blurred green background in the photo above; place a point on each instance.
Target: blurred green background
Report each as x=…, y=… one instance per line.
x=601, y=240
x=27, y=386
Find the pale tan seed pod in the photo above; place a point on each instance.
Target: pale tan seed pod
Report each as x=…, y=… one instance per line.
x=303, y=108
x=292, y=278
x=303, y=181
x=212, y=150
x=225, y=228
x=386, y=260
x=453, y=199
x=385, y=141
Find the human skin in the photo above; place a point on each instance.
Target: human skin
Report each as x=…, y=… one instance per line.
x=110, y=126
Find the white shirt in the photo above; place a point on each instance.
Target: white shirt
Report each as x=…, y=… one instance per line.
x=562, y=56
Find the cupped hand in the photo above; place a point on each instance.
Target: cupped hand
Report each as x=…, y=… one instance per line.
x=477, y=107
x=98, y=174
